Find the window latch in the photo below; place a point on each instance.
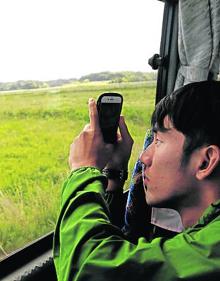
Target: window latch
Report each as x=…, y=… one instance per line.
x=155, y=61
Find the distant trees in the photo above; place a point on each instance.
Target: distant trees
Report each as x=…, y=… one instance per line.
x=60, y=82
x=22, y=84
x=122, y=76
x=33, y=84
x=112, y=77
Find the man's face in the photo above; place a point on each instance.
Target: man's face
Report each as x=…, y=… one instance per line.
x=166, y=180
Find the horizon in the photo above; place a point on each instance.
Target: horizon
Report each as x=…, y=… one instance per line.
x=77, y=79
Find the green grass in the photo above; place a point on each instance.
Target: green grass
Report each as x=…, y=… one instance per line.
x=36, y=129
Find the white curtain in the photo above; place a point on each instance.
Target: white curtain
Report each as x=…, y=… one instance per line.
x=198, y=40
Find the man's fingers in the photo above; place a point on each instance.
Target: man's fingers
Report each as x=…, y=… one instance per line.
x=93, y=115
x=87, y=127
x=125, y=135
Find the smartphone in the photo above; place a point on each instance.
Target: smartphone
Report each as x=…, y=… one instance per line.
x=109, y=107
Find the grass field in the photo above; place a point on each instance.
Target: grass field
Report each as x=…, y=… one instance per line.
x=36, y=129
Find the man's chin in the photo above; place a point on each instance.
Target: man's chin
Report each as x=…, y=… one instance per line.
x=152, y=202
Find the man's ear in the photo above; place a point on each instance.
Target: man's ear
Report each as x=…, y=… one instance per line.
x=208, y=161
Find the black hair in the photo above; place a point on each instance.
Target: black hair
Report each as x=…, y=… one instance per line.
x=194, y=110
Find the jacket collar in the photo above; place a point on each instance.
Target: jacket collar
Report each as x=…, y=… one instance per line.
x=170, y=219
x=209, y=214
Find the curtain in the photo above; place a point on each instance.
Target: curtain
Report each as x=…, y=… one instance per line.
x=198, y=41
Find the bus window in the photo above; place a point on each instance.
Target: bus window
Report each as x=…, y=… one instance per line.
x=54, y=56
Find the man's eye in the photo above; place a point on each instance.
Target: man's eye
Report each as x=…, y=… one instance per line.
x=157, y=141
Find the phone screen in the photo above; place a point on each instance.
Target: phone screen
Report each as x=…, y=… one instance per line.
x=110, y=111
x=109, y=108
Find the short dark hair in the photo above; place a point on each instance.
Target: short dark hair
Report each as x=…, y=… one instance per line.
x=194, y=110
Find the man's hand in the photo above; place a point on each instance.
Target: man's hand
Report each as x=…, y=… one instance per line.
x=122, y=150
x=89, y=149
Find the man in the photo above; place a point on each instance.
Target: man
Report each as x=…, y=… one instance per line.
x=181, y=171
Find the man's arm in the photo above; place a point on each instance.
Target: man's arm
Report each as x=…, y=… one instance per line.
x=84, y=216
x=88, y=247
x=89, y=149
x=116, y=201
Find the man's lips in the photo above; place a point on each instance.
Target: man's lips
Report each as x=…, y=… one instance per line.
x=146, y=180
x=144, y=175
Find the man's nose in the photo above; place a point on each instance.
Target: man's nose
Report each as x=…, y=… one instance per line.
x=146, y=156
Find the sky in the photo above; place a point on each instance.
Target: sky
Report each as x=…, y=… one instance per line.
x=52, y=39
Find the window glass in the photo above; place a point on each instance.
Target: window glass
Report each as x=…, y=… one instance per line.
x=54, y=56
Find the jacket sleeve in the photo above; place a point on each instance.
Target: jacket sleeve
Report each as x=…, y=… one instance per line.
x=88, y=247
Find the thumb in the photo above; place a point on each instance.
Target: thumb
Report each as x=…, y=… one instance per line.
x=93, y=115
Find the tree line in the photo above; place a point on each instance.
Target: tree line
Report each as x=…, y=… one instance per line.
x=122, y=76
x=112, y=77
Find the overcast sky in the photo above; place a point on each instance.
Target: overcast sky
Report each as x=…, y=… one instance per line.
x=51, y=39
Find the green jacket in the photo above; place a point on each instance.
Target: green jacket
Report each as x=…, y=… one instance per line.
x=88, y=247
